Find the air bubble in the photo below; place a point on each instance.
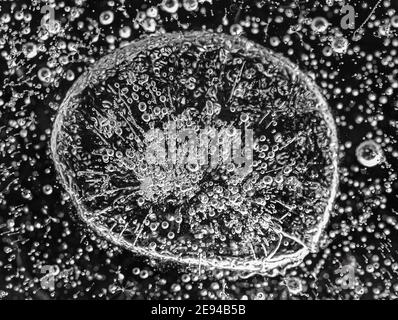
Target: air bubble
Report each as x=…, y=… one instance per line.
x=170, y=6
x=339, y=44
x=369, y=153
x=319, y=24
x=106, y=17
x=190, y=5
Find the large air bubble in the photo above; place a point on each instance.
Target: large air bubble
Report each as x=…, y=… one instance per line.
x=201, y=149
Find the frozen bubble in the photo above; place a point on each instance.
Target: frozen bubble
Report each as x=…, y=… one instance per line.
x=394, y=21
x=319, y=24
x=190, y=5
x=44, y=74
x=339, y=44
x=294, y=285
x=47, y=189
x=236, y=29
x=369, y=153
x=170, y=6
x=30, y=50
x=106, y=17
x=206, y=213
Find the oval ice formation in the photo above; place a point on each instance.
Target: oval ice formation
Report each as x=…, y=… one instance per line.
x=201, y=149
